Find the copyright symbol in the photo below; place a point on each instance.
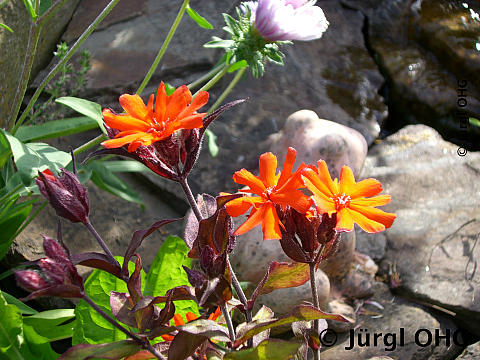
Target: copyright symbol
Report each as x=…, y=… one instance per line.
x=461, y=151
x=328, y=337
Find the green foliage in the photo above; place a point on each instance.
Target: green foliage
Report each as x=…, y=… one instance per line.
x=12, y=217
x=55, y=129
x=6, y=27
x=90, y=326
x=85, y=107
x=200, y=20
x=474, y=122
x=212, y=142
x=113, y=350
x=266, y=350
x=24, y=309
x=50, y=323
x=20, y=340
x=108, y=181
x=166, y=272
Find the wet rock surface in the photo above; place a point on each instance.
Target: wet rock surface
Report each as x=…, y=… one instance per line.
x=432, y=243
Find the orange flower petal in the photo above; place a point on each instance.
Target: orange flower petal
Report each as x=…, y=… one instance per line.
x=255, y=218
x=200, y=100
x=245, y=177
x=270, y=223
x=124, y=122
x=190, y=316
x=315, y=183
x=167, y=337
x=145, y=354
x=161, y=103
x=367, y=187
x=150, y=108
x=191, y=122
x=344, y=220
x=323, y=202
x=365, y=223
x=374, y=201
x=119, y=142
x=287, y=166
x=134, y=106
x=325, y=177
x=347, y=181
x=178, y=320
x=177, y=102
x=375, y=214
x=239, y=206
x=214, y=316
x=296, y=199
x=268, y=167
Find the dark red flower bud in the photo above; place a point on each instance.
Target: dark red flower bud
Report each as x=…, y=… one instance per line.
x=30, y=280
x=65, y=194
x=57, y=277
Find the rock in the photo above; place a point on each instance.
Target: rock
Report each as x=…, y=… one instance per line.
x=14, y=45
x=398, y=314
x=472, y=352
x=435, y=194
x=280, y=301
x=315, y=138
x=372, y=244
x=427, y=51
x=339, y=307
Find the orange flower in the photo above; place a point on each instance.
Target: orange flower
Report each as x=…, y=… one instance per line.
x=178, y=320
x=348, y=199
x=142, y=125
x=272, y=189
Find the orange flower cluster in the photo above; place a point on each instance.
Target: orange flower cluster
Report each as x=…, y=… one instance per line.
x=350, y=201
x=143, y=125
x=178, y=320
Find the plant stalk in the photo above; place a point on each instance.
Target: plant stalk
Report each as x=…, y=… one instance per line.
x=61, y=63
x=104, y=246
x=89, y=144
x=227, y=91
x=228, y=320
x=162, y=50
x=213, y=80
x=207, y=76
x=190, y=198
x=316, y=323
x=131, y=335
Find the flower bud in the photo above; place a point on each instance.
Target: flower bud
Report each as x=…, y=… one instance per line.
x=65, y=194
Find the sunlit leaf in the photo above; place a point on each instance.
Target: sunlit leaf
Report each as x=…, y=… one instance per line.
x=84, y=107
x=212, y=142
x=55, y=128
x=6, y=27
x=267, y=350
x=112, y=350
x=200, y=20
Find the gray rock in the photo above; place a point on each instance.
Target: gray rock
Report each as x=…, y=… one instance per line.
x=435, y=194
x=397, y=314
x=472, y=352
x=373, y=245
x=339, y=307
x=14, y=45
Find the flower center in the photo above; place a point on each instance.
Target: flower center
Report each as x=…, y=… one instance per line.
x=267, y=192
x=341, y=201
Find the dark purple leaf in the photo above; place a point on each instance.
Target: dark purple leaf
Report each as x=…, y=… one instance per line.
x=293, y=250
x=63, y=290
x=113, y=351
x=120, y=304
x=97, y=261
x=137, y=239
x=207, y=206
x=184, y=345
x=207, y=328
x=134, y=283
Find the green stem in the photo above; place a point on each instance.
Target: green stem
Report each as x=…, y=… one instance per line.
x=62, y=62
x=162, y=50
x=227, y=91
x=316, y=323
x=213, y=80
x=90, y=144
x=206, y=77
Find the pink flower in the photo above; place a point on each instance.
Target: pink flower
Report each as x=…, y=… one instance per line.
x=280, y=20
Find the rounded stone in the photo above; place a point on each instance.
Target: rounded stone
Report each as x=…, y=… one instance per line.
x=316, y=139
x=339, y=307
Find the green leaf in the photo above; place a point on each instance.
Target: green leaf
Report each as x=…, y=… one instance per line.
x=169, y=89
x=90, y=326
x=24, y=309
x=125, y=166
x=267, y=350
x=217, y=42
x=238, y=65
x=200, y=20
x=5, y=151
x=30, y=6
x=84, y=107
x=44, y=6
x=6, y=27
x=49, y=323
x=108, y=181
x=37, y=346
x=34, y=157
x=166, y=272
x=11, y=331
x=474, y=122
x=9, y=225
x=212, y=142
x=112, y=350
x=284, y=275
x=299, y=313
x=55, y=129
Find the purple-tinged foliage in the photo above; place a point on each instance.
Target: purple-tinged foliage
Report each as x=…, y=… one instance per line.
x=65, y=194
